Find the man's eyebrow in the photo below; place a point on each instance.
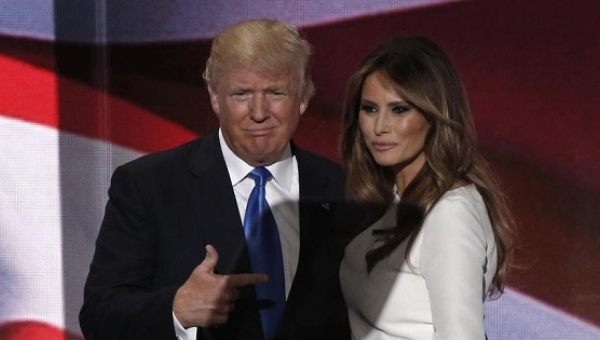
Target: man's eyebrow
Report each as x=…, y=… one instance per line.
x=240, y=89
x=276, y=87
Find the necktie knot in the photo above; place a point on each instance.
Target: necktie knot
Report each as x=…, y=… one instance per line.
x=260, y=176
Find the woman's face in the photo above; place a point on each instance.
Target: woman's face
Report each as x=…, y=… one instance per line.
x=393, y=130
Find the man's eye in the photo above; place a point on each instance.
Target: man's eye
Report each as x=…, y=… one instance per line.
x=240, y=95
x=277, y=94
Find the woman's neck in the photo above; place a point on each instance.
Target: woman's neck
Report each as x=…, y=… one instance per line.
x=406, y=173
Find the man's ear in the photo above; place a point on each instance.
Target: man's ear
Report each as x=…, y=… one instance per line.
x=303, y=106
x=214, y=99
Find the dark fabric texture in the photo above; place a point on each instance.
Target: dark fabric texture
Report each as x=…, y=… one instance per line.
x=164, y=208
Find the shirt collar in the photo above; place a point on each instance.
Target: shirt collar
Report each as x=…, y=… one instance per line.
x=281, y=170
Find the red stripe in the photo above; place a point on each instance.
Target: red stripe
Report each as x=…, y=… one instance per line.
x=28, y=330
x=27, y=92
x=30, y=94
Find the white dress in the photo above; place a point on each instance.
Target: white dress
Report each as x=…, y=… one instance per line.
x=441, y=294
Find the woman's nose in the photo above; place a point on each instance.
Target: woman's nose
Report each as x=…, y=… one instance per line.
x=381, y=125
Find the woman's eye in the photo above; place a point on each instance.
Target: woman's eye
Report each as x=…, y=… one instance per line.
x=401, y=109
x=368, y=108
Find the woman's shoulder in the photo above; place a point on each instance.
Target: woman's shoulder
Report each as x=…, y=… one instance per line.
x=460, y=194
x=461, y=206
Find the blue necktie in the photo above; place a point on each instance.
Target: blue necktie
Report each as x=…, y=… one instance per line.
x=264, y=248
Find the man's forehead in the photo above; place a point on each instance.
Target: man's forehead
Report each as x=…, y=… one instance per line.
x=251, y=77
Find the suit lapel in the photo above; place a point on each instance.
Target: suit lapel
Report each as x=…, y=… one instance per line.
x=312, y=206
x=209, y=191
x=208, y=187
x=312, y=213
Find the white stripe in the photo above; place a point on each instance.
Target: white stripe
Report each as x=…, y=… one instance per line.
x=27, y=18
x=30, y=228
x=52, y=195
x=518, y=316
x=167, y=20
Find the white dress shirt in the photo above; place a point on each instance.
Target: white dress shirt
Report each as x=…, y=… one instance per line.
x=282, y=193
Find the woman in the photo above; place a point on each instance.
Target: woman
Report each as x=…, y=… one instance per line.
x=424, y=269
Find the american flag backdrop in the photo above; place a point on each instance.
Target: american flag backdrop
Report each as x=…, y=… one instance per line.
x=88, y=85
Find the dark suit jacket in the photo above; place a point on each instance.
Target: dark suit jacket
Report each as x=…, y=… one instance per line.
x=163, y=210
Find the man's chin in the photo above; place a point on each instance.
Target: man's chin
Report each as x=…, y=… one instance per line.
x=264, y=156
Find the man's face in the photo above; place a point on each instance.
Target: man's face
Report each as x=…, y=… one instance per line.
x=258, y=113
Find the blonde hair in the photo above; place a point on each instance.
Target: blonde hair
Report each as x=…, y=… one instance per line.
x=424, y=76
x=264, y=45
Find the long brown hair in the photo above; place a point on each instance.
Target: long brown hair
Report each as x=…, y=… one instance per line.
x=424, y=76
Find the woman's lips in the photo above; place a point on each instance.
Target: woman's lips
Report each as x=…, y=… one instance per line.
x=382, y=146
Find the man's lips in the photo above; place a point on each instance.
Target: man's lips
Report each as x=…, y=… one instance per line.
x=259, y=131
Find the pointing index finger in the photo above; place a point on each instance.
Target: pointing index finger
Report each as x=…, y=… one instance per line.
x=240, y=280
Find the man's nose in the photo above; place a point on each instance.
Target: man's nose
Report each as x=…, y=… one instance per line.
x=259, y=108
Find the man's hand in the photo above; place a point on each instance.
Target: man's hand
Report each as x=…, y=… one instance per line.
x=206, y=298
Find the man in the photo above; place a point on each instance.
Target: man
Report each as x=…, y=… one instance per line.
x=172, y=259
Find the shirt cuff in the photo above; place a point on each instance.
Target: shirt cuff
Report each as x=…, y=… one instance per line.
x=182, y=333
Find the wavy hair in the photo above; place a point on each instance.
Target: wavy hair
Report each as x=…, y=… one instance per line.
x=424, y=76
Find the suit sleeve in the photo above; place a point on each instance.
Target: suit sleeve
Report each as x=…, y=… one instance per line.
x=119, y=299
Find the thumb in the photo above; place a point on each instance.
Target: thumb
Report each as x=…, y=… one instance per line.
x=210, y=261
